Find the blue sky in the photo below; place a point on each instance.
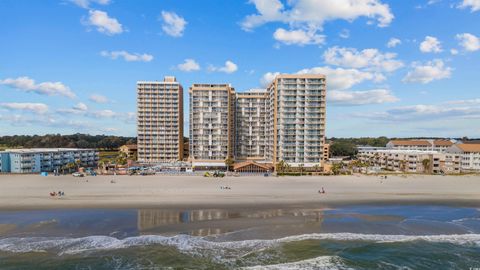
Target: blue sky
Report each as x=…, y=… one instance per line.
x=394, y=68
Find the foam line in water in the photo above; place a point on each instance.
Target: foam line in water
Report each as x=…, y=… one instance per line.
x=191, y=244
x=318, y=263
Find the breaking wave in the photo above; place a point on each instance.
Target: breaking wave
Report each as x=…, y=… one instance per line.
x=192, y=244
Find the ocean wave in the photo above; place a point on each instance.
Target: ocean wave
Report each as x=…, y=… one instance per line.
x=318, y=263
x=200, y=245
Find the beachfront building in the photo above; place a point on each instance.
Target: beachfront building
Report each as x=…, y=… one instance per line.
x=130, y=150
x=251, y=125
x=160, y=121
x=296, y=119
x=470, y=156
x=326, y=152
x=421, y=145
x=35, y=160
x=212, y=125
x=412, y=161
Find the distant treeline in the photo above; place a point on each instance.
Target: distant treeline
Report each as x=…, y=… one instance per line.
x=348, y=146
x=68, y=141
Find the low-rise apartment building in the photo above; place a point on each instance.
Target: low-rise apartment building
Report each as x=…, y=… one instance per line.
x=412, y=161
x=470, y=156
x=35, y=160
x=421, y=145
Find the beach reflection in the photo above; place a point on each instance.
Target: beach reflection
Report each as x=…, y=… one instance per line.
x=207, y=222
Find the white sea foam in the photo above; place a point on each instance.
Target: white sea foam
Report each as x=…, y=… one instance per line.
x=318, y=263
x=199, y=245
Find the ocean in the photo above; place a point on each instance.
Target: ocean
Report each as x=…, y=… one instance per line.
x=294, y=237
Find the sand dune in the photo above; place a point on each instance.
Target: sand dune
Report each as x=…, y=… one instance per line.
x=32, y=191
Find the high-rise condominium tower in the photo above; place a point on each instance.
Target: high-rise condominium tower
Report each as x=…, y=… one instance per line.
x=212, y=124
x=296, y=119
x=160, y=121
x=251, y=124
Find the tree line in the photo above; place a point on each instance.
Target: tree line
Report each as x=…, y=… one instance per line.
x=66, y=141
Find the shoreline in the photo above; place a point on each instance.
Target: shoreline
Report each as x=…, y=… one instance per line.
x=22, y=192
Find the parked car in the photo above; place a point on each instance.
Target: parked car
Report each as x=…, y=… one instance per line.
x=77, y=174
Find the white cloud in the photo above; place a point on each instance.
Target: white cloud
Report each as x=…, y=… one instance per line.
x=342, y=79
x=98, y=99
x=45, y=88
x=104, y=23
x=268, y=78
x=308, y=16
x=229, y=67
x=430, y=45
x=428, y=72
x=86, y=3
x=79, y=108
x=316, y=12
x=369, y=58
x=474, y=5
x=104, y=114
x=376, y=96
x=454, y=51
x=298, y=37
x=427, y=112
x=129, y=57
x=393, y=42
x=474, y=101
x=40, y=108
x=469, y=42
x=189, y=65
x=173, y=24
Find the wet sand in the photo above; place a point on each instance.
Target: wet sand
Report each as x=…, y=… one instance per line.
x=32, y=191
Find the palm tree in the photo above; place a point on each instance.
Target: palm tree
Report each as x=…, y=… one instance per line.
x=426, y=165
x=70, y=166
x=336, y=168
x=78, y=162
x=229, y=163
x=403, y=166
x=280, y=167
x=300, y=166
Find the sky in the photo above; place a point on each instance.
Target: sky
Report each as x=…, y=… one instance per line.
x=408, y=68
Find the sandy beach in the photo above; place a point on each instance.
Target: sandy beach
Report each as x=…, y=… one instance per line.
x=32, y=191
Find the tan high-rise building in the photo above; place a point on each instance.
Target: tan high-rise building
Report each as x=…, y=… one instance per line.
x=160, y=121
x=212, y=124
x=296, y=119
x=251, y=125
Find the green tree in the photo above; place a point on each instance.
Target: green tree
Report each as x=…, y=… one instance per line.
x=336, y=168
x=426, y=165
x=229, y=163
x=340, y=148
x=281, y=166
x=316, y=167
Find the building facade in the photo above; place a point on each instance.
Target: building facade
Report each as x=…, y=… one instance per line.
x=470, y=156
x=37, y=160
x=130, y=150
x=296, y=119
x=421, y=145
x=251, y=125
x=160, y=121
x=212, y=124
x=412, y=161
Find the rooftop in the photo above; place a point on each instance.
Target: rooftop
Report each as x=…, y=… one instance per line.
x=471, y=148
x=411, y=142
x=44, y=150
